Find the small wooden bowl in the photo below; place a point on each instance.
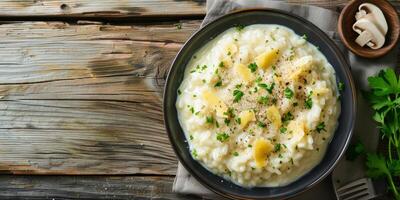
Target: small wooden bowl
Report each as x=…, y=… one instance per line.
x=348, y=36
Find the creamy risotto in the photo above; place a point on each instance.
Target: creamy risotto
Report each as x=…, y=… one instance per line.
x=258, y=105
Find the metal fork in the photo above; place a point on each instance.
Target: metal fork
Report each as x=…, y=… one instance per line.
x=361, y=189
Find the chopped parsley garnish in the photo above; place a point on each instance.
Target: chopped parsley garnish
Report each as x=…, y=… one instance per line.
x=252, y=67
x=218, y=83
x=227, y=121
x=216, y=124
x=261, y=124
x=229, y=53
x=210, y=119
x=341, y=86
x=192, y=109
x=229, y=113
x=258, y=80
x=287, y=117
x=288, y=93
x=221, y=64
x=222, y=137
x=204, y=67
x=249, y=145
x=238, y=120
x=295, y=104
x=320, y=127
x=283, y=129
x=194, y=153
x=277, y=147
x=262, y=100
x=191, y=137
x=178, y=26
x=238, y=86
x=269, y=88
x=304, y=36
x=179, y=92
x=308, y=103
x=237, y=94
x=235, y=153
x=239, y=27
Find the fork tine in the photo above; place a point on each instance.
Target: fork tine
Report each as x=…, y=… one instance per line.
x=355, y=196
x=357, y=189
x=352, y=184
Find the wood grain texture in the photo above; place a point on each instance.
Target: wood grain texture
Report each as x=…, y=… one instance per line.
x=102, y=8
x=110, y=187
x=88, y=187
x=85, y=99
x=126, y=8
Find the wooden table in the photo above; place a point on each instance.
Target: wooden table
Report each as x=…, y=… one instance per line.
x=81, y=86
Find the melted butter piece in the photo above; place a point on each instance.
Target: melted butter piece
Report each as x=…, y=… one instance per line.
x=267, y=59
x=244, y=73
x=215, y=103
x=261, y=149
x=246, y=117
x=274, y=116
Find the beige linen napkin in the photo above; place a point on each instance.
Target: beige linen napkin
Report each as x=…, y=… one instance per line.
x=365, y=128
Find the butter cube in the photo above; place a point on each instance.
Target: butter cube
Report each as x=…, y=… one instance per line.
x=214, y=102
x=246, y=117
x=261, y=149
x=267, y=59
x=274, y=116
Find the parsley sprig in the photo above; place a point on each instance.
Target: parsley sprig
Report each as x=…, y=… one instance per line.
x=384, y=97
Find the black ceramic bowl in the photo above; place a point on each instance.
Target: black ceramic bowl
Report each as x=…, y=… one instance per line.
x=336, y=147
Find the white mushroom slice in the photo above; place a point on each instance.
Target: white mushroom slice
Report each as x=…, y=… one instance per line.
x=369, y=34
x=374, y=14
x=371, y=25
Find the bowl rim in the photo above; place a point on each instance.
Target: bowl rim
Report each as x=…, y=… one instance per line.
x=348, y=76
x=348, y=43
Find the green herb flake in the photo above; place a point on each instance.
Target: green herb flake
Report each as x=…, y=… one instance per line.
x=304, y=36
x=249, y=145
x=340, y=86
x=210, y=119
x=283, y=129
x=227, y=121
x=194, y=153
x=288, y=93
x=267, y=87
x=191, y=137
x=238, y=120
x=237, y=94
x=320, y=127
x=308, y=103
x=261, y=124
x=235, y=153
x=277, y=147
x=253, y=67
x=222, y=137
x=179, y=92
x=218, y=83
x=178, y=26
x=263, y=100
x=221, y=64
x=239, y=27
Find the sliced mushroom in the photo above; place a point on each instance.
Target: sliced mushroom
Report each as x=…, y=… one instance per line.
x=371, y=25
x=374, y=14
x=369, y=34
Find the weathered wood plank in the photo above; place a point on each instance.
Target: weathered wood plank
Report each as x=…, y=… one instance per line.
x=126, y=8
x=86, y=99
x=109, y=187
x=103, y=8
x=88, y=187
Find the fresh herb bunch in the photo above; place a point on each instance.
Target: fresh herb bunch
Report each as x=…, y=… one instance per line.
x=384, y=97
